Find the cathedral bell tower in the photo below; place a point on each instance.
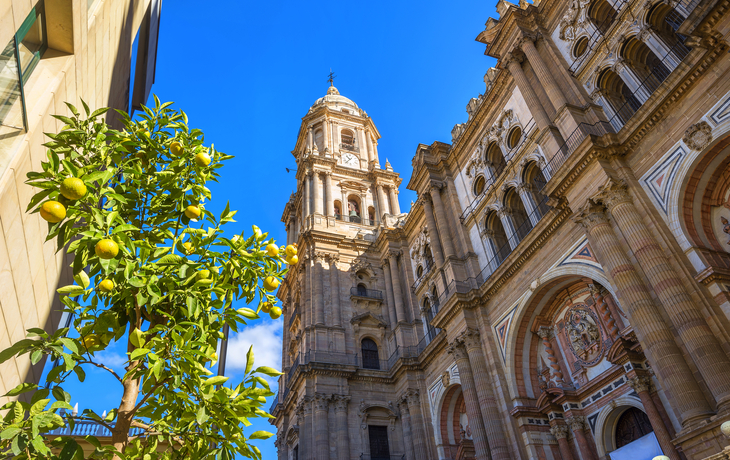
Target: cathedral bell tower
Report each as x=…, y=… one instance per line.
x=336, y=317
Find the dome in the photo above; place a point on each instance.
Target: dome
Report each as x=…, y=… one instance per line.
x=334, y=100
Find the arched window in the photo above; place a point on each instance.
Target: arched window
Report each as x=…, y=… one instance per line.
x=535, y=182
x=513, y=140
x=602, y=14
x=419, y=271
x=520, y=220
x=370, y=358
x=497, y=241
x=353, y=209
x=371, y=215
x=495, y=160
x=338, y=209
x=619, y=102
x=479, y=186
x=319, y=140
x=580, y=48
x=347, y=138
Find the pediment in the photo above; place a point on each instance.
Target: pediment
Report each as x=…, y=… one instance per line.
x=367, y=319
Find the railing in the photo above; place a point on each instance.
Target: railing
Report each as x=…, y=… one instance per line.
x=370, y=293
x=412, y=351
x=355, y=219
x=350, y=147
x=597, y=34
x=274, y=403
x=526, y=134
x=294, y=315
x=89, y=428
x=574, y=140
x=498, y=169
x=426, y=271
x=293, y=368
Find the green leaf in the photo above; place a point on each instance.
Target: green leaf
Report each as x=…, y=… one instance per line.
x=170, y=259
x=82, y=279
x=39, y=406
x=124, y=228
x=249, y=360
x=137, y=338
x=137, y=353
x=201, y=417
x=71, y=290
x=10, y=432
x=260, y=435
x=111, y=415
x=218, y=379
x=22, y=388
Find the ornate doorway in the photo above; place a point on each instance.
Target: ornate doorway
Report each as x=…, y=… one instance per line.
x=379, y=449
x=632, y=425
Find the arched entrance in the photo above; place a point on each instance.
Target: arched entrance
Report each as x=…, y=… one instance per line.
x=454, y=425
x=631, y=425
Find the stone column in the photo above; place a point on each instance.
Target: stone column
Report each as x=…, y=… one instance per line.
x=343, y=437
x=369, y=145
x=471, y=400
x=441, y=222
x=280, y=444
x=658, y=46
x=304, y=414
x=327, y=148
x=335, y=137
x=394, y=199
x=389, y=294
x=330, y=193
x=600, y=97
x=414, y=409
x=321, y=411
x=600, y=299
x=655, y=337
x=405, y=420
x=438, y=254
x=577, y=426
x=546, y=333
x=642, y=385
x=528, y=201
x=318, y=288
x=335, y=289
x=505, y=216
x=633, y=81
x=317, y=185
x=701, y=343
x=487, y=402
x=310, y=139
x=397, y=291
x=306, y=201
x=561, y=434
x=382, y=202
x=533, y=102
x=555, y=94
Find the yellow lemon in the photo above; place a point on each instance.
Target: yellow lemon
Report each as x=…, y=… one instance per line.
x=192, y=212
x=202, y=275
x=188, y=248
x=176, y=148
x=271, y=283
x=266, y=307
x=106, y=286
x=292, y=260
x=53, y=211
x=291, y=250
x=272, y=249
x=90, y=341
x=202, y=159
x=275, y=312
x=73, y=188
x=106, y=249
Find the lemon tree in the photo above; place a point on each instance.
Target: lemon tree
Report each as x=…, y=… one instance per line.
x=154, y=269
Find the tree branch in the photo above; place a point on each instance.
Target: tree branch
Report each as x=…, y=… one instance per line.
x=101, y=366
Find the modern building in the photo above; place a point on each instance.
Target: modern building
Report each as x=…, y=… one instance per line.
x=55, y=51
x=561, y=287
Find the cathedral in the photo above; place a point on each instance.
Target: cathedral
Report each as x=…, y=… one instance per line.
x=560, y=290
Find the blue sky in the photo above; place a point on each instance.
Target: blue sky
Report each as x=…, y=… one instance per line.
x=247, y=72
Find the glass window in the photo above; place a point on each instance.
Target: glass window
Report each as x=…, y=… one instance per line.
x=17, y=61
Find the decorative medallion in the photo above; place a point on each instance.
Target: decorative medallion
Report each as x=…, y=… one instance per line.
x=583, y=334
x=698, y=136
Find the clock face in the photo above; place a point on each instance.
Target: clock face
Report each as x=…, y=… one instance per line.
x=350, y=160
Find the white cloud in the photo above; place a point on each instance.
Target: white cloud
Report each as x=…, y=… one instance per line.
x=266, y=339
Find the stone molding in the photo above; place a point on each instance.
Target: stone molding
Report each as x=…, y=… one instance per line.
x=590, y=215
x=341, y=402
x=322, y=401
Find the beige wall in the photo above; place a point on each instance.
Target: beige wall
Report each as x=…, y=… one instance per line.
x=88, y=57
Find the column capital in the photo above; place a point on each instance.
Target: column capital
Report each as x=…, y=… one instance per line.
x=590, y=215
x=559, y=431
x=470, y=338
x=613, y=193
x=504, y=211
x=385, y=263
x=640, y=384
x=322, y=401
x=412, y=397
x=577, y=423
x=341, y=402
x=402, y=404
x=513, y=57
x=320, y=256
x=457, y=349
x=333, y=258
x=434, y=187
x=394, y=253
x=545, y=332
x=528, y=37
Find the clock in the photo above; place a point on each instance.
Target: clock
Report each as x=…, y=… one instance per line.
x=350, y=160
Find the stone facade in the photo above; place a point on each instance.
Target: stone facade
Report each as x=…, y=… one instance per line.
x=561, y=287
x=86, y=55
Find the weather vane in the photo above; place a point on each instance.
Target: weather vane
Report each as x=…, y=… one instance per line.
x=331, y=78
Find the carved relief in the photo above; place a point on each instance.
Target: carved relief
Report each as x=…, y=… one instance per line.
x=574, y=21
x=698, y=136
x=583, y=334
